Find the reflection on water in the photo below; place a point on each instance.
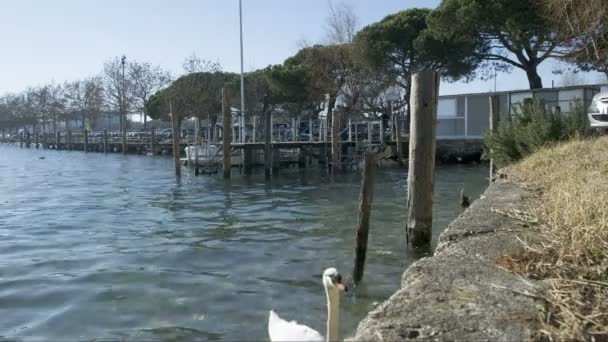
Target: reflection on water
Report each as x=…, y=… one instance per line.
x=110, y=246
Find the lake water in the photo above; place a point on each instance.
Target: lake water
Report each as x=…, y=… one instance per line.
x=97, y=246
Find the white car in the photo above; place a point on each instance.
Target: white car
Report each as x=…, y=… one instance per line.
x=598, y=110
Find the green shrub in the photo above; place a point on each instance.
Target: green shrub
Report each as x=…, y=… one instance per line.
x=530, y=128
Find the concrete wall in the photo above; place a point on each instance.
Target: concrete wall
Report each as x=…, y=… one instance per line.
x=460, y=293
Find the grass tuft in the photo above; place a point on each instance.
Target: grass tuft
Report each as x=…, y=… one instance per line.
x=572, y=260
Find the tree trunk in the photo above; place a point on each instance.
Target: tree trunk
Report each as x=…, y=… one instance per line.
x=534, y=78
x=145, y=120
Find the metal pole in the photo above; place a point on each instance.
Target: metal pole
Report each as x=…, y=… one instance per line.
x=123, y=109
x=242, y=76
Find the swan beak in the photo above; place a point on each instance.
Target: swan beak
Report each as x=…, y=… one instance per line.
x=342, y=287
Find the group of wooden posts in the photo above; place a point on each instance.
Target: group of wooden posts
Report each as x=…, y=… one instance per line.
x=421, y=169
x=25, y=139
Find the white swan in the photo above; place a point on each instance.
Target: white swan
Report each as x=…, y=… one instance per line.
x=282, y=330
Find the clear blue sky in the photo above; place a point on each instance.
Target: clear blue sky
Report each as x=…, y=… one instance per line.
x=70, y=39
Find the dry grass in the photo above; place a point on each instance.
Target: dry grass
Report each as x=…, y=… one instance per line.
x=573, y=259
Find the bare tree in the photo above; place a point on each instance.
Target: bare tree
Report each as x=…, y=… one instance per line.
x=342, y=24
x=193, y=63
x=145, y=80
x=86, y=99
x=56, y=104
x=117, y=86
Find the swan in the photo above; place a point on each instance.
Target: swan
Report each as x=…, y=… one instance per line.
x=282, y=330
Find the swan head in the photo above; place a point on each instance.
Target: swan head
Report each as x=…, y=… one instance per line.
x=332, y=280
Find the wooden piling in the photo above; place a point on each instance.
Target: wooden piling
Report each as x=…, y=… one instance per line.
x=28, y=139
x=36, y=139
x=21, y=139
x=86, y=140
x=227, y=123
x=153, y=141
x=310, y=135
x=105, y=141
x=254, y=129
x=399, y=141
x=335, y=138
x=494, y=118
x=267, y=145
x=248, y=159
x=124, y=137
x=421, y=175
x=365, y=204
x=57, y=140
x=176, y=152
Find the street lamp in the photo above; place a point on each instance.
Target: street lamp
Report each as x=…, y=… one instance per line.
x=242, y=77
x=122, y=107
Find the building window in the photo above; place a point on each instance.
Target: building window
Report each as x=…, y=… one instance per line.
x=446, y=108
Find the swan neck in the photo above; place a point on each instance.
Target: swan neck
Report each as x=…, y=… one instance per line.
x=333, y=315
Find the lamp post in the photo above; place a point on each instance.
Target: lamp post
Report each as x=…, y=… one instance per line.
x=122, y=107
x=242, y=77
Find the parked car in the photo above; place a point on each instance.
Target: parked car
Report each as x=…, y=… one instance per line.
x=598, y=110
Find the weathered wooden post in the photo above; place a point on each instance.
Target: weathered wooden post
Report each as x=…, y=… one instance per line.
x=254, y=128
x=36, y=138
x=365, y=204
x=105, y=141
x=28, y=141
x=86, y=140
x=421, y=175
x=335, y=138
x=399, y=140
x=293, y=130
x=153, y=141
x=267, y=138
x=494, y=112
x=176, y=146
x=57, y=140
x=227, y=122
x=350, y=131
x=310, y=137
x=124, y=137
x=21, y=139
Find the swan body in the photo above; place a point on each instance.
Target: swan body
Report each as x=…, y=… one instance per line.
x=282, y=330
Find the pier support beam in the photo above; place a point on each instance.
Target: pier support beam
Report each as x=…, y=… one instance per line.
x=227, y=131
x=276, y=160
x=124, y=137
x=421, y=175
x=21, y=139
x=105, y=141
x=267, y=145
x=248, y=159
x=153, y=141
x=86, y=140
x=27, y=139
x=176, y=135
x=69, y=139
x=335, y=138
